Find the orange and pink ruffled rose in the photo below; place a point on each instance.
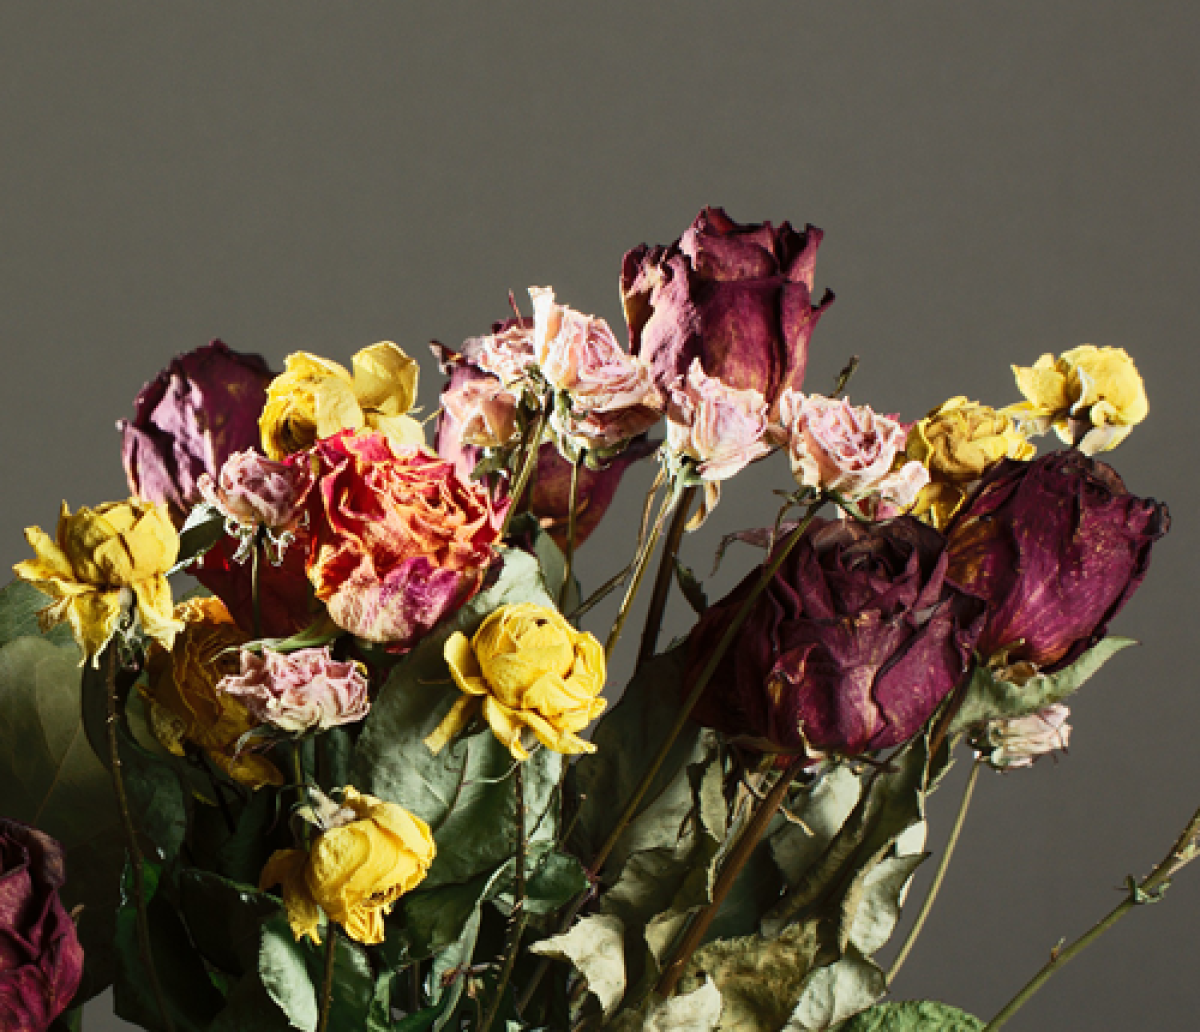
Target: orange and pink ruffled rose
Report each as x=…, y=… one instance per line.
x=397, y=539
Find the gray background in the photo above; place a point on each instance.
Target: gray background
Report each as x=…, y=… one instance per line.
x=996, y=180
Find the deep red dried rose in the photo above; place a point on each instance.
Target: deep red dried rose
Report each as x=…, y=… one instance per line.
x=187, y=421
x=850, y=649
x=1056, y=546
x=41, y=961
x=737, y=297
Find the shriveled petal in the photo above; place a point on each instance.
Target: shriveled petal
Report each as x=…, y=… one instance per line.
x=157, y=610
x=336, y=408
x=286, y=868
x=452, y=724
x=403, y=431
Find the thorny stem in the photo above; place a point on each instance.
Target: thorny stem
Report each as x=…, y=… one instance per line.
x=732, y=867
x=681, y=719
x=572, y=517
x=131, y=842
x=533, y=446
x=1149, y=890
x=519, y=916
x=959, y=820
x=327, y=988
x=640, y=564
x=666, y=574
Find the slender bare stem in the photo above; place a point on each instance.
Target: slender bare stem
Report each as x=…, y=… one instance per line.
x=255, y=602
x=145, y=951
x=327, y=988
x=519, y=916
x=959, y=820
x=666, y=574
x=529, y=463
x=1149, y=890
x=572, y=518
x=732, y=867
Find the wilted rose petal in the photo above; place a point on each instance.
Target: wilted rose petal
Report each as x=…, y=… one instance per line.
x=305, y=690
x=721, y=428
x=1018, y=741
x=483, y=409
x=198, y=411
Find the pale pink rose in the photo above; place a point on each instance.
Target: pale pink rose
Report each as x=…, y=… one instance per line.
x=1017, y=742
x=836, y=446
x=299, y=691
x=722, y=428
x=253, y=491
x=612, y=394
x=506, y=352
x=484, y=409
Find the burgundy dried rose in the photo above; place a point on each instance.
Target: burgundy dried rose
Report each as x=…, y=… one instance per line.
x=1056, y=546
x=41, y=961
x=305, y=690
x=551, y=501
x=850, y=649
x=187, y=421
x=736, y=297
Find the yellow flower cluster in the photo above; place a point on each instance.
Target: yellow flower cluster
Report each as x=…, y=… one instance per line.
x=530, y=672
x=315, y=398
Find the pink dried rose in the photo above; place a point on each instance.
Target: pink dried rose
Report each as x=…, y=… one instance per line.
x=721, y=428
x=506, y=352
x=253, y=491
x=300, y=691
x=1018, y=741
x=196, y=413
x=836, y=446
x=483, y=409
x=611, y=394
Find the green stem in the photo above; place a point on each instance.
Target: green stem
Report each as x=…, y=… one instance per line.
x=519, y=916
x=959, y=820
x=528, y=464
x=666, y=575
x=572, y=518
x=1149, y=890
x=255, y=602
x=640, y=565
x=131, y=843
x=732, y=867
x=327, y=988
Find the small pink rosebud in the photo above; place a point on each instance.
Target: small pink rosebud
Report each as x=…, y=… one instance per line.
x=299, y=691
x=1017, y=742
x=254, y=491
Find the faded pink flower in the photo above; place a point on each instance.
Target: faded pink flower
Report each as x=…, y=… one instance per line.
x=299, y=691
x=506, y=352
x=253, y=491
x=484, y=410
x=1017, y=742
x=836, y=446
x=722, y=428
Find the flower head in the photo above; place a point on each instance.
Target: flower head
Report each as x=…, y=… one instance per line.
x=532, y=674
x=305, y=690
x=1093, y=397
x=355, y=870
x=398, y=541
x=183, y=701
x=198, y=411
x=315, y=398
x=1014, y=742
x=41, y=961
x=253, y=492
x=102, y=564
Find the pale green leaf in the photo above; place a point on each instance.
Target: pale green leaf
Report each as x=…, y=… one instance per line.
x=20, y=602
x=595, y=947
x=836, y=992
x=284, y=974
x=913, y=1016
x=872, y=908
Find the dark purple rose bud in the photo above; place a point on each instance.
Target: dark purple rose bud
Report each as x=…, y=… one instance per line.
x=1056, y=547
x=41, y=961
x=850, y=649
x=187, y=421
x=739, y=298
x=551, y=501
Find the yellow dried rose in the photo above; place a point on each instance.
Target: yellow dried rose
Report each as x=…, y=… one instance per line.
x=532, y=674
x=314, y=398
x=368, y=855
x=958, y=442
x=1093, y=397
x=182, y=700
x=101, y=564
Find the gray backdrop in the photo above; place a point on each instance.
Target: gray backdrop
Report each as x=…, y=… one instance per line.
x=996, y=180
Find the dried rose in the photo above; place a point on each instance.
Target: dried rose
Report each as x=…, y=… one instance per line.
x=41, y=961
x=483, y=411
x=836, y=446
x=738, y=298
x=199, y=410
x=253, y=492
x=1014, y=742
x=305, y=690
x=398, y=539
x=850, y=649
x=1056, y=546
